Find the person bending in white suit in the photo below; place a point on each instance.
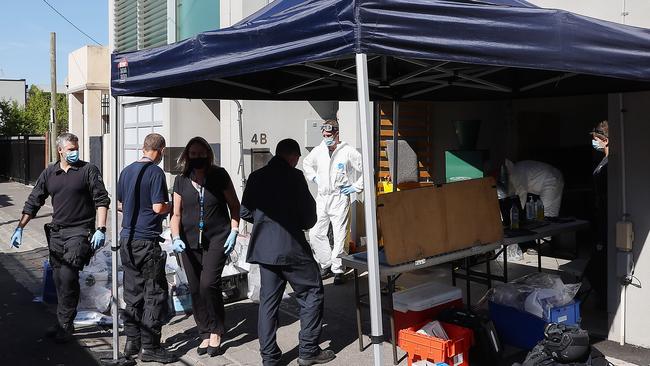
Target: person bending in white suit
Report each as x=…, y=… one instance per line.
x=336, y=168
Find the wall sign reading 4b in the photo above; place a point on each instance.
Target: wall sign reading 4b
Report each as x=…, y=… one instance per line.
x=262, y=140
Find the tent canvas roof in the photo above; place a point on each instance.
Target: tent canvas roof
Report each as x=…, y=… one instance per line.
x=417, y=49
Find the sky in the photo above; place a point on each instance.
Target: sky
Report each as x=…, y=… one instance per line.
x=25, y=27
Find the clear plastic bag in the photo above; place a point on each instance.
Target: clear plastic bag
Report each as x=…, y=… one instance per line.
x=535, y=293
x=513, y=251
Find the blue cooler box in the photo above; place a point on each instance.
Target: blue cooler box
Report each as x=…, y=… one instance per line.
x=524, y=330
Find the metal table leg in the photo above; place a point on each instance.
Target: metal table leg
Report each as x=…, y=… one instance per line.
x=393, y=338
x=468, y=283
x=489, y=272
x=453, y=274
x=539, y=255
x=357, y=304
x=505, y=264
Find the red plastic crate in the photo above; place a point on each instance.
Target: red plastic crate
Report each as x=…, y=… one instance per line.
x=454, y=352
x=411, y=318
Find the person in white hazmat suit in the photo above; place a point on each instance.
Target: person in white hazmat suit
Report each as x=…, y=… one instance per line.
x=538, y=178
x=336, y=168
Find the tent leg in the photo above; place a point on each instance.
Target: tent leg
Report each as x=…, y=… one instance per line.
x=116, y=359
x=365, y=119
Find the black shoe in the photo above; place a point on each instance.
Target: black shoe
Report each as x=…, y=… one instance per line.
x=201, y=350
x=214, y=351
x=132, y=347
x=326, y=273
x=64, y=334
x=158, y=354
x=339, y=278
x=323, y=357
x=52, y=331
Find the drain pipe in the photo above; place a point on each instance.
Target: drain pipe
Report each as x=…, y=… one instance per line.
x=240, y=169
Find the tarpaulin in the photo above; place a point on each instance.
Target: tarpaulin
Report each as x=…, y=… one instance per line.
x=271, y=50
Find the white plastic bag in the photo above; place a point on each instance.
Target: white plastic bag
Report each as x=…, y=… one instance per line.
x=254, y=283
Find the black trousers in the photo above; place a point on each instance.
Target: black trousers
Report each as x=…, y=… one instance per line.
x=306, y=281
x=70, y=251
x=203, y=269
x=145, y=290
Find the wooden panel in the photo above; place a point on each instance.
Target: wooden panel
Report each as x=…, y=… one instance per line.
x=473, y=215
x=423, y=222
x=412, y=224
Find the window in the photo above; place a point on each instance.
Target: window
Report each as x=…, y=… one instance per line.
x=140, y=24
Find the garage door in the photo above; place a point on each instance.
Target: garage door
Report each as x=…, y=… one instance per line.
x=140, y=120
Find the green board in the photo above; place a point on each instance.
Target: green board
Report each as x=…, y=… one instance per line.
x=463, y=165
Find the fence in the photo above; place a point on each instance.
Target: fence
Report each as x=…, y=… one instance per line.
x=22, y=158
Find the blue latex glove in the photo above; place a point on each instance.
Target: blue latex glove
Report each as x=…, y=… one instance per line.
x=17, y=237
x=348, y=190
x=178, y=246
x=231, y=241
x=98, y=240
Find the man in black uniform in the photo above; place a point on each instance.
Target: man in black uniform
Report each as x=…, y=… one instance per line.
x=79, y=198
x=277, y=201
x=142, y=196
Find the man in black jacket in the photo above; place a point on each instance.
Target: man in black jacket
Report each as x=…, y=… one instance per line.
x=277, y=201
x=79, y=200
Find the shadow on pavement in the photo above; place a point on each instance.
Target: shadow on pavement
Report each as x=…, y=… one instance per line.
x=23, y=324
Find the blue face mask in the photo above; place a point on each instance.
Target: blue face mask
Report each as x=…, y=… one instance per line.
x=329, y=141
x=72, y=156
x=597, y=145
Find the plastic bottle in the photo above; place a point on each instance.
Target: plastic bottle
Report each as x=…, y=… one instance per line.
x=514, y=216
x=530, y=209
x=540, y=210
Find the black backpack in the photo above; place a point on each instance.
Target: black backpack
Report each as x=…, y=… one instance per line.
x=564, y=345
x=486, y=350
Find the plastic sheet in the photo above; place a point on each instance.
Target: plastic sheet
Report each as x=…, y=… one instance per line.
x=535, y=293
x=513, y=252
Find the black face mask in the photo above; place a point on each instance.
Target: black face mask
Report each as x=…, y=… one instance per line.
x=198, y=163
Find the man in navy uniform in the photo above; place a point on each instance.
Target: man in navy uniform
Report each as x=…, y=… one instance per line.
x=277, y=201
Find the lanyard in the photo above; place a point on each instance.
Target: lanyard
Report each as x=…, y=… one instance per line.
x=202, y=210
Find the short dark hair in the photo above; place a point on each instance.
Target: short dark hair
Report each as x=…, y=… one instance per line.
x=287, y=147
x=602, y=129
x=153, y=142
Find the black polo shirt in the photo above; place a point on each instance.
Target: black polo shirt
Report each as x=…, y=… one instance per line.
x=76, y=194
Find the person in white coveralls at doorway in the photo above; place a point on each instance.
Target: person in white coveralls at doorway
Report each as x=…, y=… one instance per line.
x=336, y=168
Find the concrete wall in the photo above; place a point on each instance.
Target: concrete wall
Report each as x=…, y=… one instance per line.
x=637, y=180
x=76, y=117
x=13, y=90
x=189, y=118
x=88, y=68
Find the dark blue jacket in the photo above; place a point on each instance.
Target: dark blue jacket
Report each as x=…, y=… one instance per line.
x=278, y=203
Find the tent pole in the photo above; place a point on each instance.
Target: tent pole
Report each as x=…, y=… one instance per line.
x=114, y=237
x=365, y=120
x=116, y=359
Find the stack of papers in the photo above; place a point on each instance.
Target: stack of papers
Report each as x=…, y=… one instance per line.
x=434, y=329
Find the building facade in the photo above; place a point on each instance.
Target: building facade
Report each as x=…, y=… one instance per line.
x=13, y=90
x=142, y=24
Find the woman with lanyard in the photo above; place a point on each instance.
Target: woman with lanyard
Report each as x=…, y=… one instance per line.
x=204, y=227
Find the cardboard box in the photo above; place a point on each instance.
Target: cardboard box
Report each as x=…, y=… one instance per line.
x=420, y=223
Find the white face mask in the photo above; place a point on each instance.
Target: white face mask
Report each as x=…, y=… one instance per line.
x=598, y=145
x=329, y=141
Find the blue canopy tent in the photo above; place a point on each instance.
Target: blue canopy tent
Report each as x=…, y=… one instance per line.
x=391, y=50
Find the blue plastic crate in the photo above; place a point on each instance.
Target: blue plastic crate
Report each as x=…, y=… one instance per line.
x=524, y=330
